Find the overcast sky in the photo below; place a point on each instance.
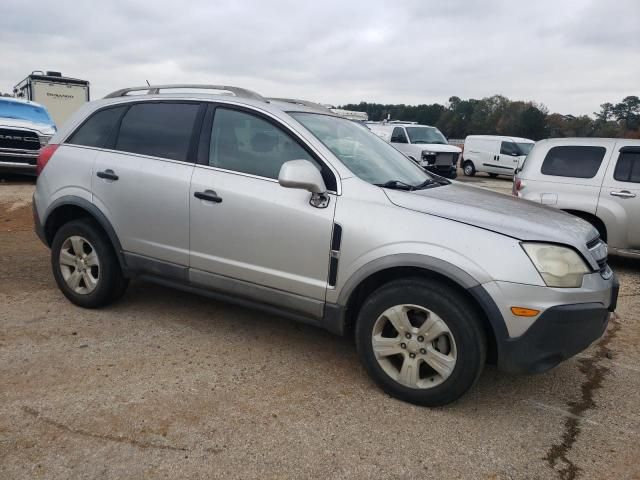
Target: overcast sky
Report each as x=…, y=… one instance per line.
x=571, y=55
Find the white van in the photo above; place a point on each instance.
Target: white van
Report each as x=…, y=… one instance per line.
x=494, y=154
x=423, y=144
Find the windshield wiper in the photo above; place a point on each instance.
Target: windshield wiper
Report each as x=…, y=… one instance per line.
x=425, y=184
x=396, y=184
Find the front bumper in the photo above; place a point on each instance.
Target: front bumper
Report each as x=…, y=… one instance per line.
x=570, y=320
x=449, y=171
x=559, y=333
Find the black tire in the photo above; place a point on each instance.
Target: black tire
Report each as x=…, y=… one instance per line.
x=458, y=315
x=468, y=168
x=493, y=175
x=111, y=284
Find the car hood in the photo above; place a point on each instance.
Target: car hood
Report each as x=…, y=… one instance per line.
x=499, y=213
x=438, y=147
x=42, y=128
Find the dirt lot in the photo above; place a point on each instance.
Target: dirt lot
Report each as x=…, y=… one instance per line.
x=169, y=385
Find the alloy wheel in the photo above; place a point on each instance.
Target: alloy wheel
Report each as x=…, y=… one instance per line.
x=79, y=265
x=414, y=346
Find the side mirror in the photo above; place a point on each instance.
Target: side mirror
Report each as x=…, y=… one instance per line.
x=303, y=175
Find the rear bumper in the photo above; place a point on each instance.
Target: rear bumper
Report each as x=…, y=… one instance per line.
x=559, y=333
x=37, y=224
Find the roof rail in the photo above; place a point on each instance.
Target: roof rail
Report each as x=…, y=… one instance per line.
x=306, y=103
x=155, y=90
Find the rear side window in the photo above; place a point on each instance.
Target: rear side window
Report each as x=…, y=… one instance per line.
x=573, y=161
x=398, y=136
x=96, y=130
x=628, y=167
x=158, y=129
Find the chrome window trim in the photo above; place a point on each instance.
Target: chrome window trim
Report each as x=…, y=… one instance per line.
x=230, y=101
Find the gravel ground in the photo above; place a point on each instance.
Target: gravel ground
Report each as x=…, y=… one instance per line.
x=169, y=385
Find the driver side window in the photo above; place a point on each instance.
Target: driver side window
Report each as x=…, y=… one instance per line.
x=242, y=142
x=508, y=148
x=398, y=136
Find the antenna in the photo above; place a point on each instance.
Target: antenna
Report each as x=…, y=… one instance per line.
x=148, y=84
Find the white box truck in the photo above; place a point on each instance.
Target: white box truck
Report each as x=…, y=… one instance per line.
x=62, y=96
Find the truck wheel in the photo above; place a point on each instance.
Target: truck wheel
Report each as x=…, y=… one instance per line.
x=420, y=341
x=85, y=266
x=469, y=168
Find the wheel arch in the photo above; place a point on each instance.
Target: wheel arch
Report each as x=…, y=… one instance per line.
x=593, y=219
x=367, y=280
x=69, y=208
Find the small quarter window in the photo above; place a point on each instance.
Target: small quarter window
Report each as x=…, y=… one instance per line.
x=509, y=148
x=628, y=167
x=573, y=161
x=95, y=131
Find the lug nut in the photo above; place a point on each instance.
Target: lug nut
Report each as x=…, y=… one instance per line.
x=421, y=338
x=408, y=335
x=412, y=355
x=423, y=351
x=403, y=345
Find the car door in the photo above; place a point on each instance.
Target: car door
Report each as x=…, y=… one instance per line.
x=490, y=155
x=620, y=198
x=141, y=182
x=249, y=235
x=508, y=157
x=400, y=140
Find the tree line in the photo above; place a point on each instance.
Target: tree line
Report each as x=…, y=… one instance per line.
x=497, y=115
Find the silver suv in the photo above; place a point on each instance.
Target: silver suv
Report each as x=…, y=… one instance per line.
x=596, y=179
x=298, y=212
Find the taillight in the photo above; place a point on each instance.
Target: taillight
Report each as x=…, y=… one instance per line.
x=45, y=154
x=517, y=186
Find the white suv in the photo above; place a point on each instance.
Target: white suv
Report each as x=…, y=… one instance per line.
x=296, y=211
x=596, y=179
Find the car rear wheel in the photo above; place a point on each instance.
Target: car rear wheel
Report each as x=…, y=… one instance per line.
x=85, y=266
x=469, y=168
x=420, y=341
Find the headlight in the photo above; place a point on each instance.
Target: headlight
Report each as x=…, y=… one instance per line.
x=44, y=139
x=558, y=266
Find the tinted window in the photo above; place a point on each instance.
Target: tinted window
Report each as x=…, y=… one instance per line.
x=628, y=167
x=398, y=136
x=245, y=143
x=96, y=130
x=573, y=161
x=158, y=129
x=509, y=148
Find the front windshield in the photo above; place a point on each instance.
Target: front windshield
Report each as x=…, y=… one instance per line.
x=525, y=148
x=361, y=151
x=24, y=111
x=426, y=135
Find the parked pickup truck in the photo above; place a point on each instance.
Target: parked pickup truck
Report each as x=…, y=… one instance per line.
x=25, y=127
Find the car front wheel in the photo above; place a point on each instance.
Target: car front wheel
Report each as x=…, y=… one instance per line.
x=468, y=168
x=420, y=341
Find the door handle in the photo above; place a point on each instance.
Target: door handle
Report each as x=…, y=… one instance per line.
x=209, y=196
x=623, y=194
x=108, y=174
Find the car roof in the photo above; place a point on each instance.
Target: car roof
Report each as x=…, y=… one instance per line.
x=500, y=137
x=589, y=141
x=22, y=100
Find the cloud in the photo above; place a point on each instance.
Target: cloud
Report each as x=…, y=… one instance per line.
x=570, y=55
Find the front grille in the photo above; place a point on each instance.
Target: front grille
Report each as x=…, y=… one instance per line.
x=18, y=159
x=19, y=139
x=444, y=159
